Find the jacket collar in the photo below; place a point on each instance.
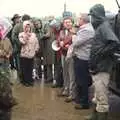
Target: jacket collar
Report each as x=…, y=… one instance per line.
x=84, y=26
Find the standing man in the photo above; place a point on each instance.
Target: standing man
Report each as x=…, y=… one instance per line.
x=81, y=53
x=16, y=44
x=16, y=20
x=102, y=62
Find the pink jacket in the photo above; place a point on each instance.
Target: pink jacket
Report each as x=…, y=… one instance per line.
x=30, y=44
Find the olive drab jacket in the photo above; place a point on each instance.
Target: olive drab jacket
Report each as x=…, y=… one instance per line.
x=16, y=30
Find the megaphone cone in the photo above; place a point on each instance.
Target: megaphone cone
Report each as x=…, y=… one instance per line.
x=55, y=46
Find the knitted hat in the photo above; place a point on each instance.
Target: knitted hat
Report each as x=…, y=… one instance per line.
x=97, y=11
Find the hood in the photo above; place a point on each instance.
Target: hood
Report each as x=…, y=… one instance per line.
x=25, y=23
x=97, y=13
x=56, y=24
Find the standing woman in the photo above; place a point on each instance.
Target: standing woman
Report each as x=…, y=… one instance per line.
x=29, y=47
x=39, y=34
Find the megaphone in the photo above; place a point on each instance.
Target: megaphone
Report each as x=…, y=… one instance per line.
x=55, y=46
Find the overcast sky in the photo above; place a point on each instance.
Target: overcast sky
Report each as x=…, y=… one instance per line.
x=50, y=7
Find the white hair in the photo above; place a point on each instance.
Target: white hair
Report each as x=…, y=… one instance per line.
x=85, y=17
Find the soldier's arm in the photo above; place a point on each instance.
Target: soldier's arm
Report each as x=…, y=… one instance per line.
x=10, y=48
x=15, y=34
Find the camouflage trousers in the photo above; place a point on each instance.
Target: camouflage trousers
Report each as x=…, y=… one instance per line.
x=101, y=91
x=5, y=92
x=5, y=115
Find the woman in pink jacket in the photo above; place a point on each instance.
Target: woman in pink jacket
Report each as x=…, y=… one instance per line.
x=29, y=47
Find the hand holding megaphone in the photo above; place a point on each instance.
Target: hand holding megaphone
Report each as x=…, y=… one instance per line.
x=61, y=43
x=55, y=45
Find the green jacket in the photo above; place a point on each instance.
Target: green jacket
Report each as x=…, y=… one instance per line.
x=16, y=44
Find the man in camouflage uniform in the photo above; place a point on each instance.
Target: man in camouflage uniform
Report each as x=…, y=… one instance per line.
x=104, y=45
x=6, y=99
x=16, y=44
x=16, y=20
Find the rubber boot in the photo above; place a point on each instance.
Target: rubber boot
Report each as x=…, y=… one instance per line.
x=92, y=116
x=102, y=115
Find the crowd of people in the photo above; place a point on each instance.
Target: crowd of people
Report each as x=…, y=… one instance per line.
x=85, y=58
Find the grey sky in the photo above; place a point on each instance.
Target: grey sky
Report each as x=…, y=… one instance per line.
x=50, y=7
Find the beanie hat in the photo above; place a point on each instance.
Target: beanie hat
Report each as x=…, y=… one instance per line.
x=97, y=11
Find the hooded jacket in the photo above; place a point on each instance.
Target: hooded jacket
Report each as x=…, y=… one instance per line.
x=29, y=42
x=105, y=41
x=103, y=48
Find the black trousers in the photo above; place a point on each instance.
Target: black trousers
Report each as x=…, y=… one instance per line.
x=48, y=73
x=27, y=68
x=12, y=62
x=37, y=66
x=58, y=73
x=83, y=79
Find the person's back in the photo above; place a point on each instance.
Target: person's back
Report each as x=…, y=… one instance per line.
x=6, y=98
x=102, y=60
x=102, y=48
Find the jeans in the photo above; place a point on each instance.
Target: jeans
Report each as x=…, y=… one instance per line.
x=83, y=80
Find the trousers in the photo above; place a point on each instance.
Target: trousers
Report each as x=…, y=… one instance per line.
x=101, y=81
